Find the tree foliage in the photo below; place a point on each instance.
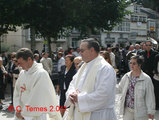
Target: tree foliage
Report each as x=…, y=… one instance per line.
x=45, y=16
x=90, y=14
x=52, y=17
x=9, y=15
x=49, y=17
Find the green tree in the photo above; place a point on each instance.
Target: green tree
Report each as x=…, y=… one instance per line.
x=44, y=17
x=94, y=14
x=51, y=18
x=8, y=19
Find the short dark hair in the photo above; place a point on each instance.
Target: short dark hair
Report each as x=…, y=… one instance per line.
x=24, y=53
x=139, y=59
x=60, y=53
x=92, y=42
x=148, y=41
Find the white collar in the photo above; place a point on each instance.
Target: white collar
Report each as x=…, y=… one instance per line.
x=92, y=61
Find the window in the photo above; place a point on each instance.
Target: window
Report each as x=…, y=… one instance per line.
x=125, y=26
x=144, y=19
x=121, y=36
x=37, y=36
x=108, y=35
x=136, y=9
x=134, y=18
x=120, y=28
x=138, y=18
x=74, y=42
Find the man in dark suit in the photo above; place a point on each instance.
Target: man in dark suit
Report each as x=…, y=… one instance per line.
x=11, y=67
x=149, y=57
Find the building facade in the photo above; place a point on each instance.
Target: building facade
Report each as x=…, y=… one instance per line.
x=133, y=29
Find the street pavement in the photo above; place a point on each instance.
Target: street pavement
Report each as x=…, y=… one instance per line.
x=5, y=114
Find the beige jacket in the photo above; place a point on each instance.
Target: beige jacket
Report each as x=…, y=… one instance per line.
x=144, y=95
x=47, y=64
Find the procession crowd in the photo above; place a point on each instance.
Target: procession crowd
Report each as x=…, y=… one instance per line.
x=86, y=80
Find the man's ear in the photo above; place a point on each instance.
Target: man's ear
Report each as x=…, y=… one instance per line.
x=92, y=49
x=29, y=59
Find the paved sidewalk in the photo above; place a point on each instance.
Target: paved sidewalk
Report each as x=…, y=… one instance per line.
x=5, y=114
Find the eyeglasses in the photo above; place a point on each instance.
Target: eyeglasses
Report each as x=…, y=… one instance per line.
x=82, y=50
x=133, y=63
x=76, y=63
x=148, y=45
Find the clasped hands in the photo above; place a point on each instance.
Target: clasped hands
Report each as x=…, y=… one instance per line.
x=151, y=116
x=74, y=97
x=18, y=114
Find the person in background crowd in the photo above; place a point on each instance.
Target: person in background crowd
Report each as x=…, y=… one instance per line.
x=106, y=56
x=76, y=52
x=11, y=67
x=143, y=46
x=60, y=49
x=115, y=50
x=138, y=50
x=36, y=57
x=156, y=80
x=61, y=61
x=112, y=57
x=36, y=52
x=69, y=51
x=91, y=93
x=2, y=73
x=34, y=89
x=68, y=71
x=46, y=62
x=149, y=57
x=16, y=71
x=78, y=62
x=54, y=57
x=137, y=93
x=5, y=60
x=130, y=53
x=123, y=66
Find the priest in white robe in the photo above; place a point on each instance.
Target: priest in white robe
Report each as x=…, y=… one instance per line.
x=34, y=95
x=91, y=94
